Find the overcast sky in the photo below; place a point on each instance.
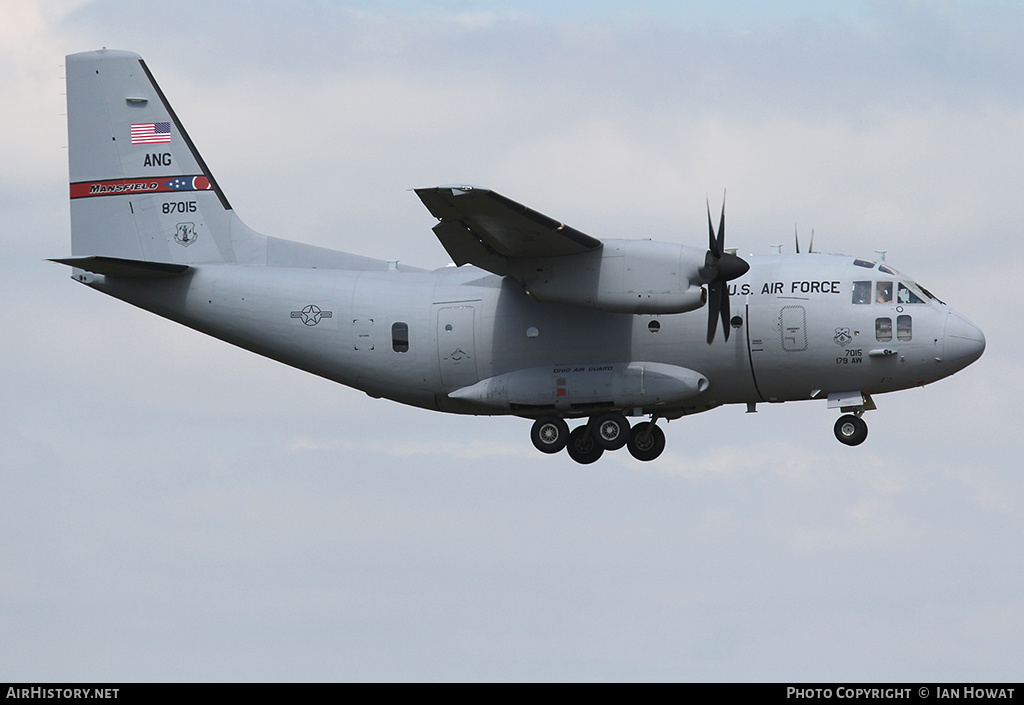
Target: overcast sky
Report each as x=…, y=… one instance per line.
x=173, y=508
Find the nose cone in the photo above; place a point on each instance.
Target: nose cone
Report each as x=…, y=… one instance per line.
x=964, y=341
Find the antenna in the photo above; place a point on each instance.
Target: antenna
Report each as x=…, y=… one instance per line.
x=796, y=238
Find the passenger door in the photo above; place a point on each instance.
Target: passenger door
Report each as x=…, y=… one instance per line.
x=778, y=345
x=456, y=346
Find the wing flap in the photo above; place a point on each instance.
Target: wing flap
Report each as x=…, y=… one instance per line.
x=484, y=228
x=466, y=248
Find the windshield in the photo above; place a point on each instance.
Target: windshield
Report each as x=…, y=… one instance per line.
x=887, y=291
x=911, y=293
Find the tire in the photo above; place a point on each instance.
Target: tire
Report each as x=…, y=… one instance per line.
x=646, y=441
x=582, y=447
x=549, y=434
x=851, y=430
x=611, y=430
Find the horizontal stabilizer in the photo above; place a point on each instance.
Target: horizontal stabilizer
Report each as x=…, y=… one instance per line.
x=129, y=268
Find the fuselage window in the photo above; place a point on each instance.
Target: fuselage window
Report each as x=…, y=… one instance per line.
x=862, y=292
x=883, y=293
x=906, y=295
x=883, y=329
x=904, y=327
x=654, y=326
x=400, y=337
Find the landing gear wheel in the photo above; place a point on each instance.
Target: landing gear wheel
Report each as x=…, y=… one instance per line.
x=646, y=441
x=611, y=430
x=549, y=434
x=851, y=430
x=582, y=447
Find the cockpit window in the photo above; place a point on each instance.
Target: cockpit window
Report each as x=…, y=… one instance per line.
x=887, y=269
x=862, y=292
x=909, y=293
x=883, y=293
x=867, y=264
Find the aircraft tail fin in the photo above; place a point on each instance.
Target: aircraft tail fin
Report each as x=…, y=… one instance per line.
x=139, y=188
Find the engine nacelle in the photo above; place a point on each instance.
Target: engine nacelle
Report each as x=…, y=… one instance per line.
x=624, y=276
x=622, y=385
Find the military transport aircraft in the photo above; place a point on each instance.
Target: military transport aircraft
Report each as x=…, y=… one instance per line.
x=538, y=319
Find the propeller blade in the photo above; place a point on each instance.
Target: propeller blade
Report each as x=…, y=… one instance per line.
x=714, y=307
x=725, y=311
x=711, y=231
x=721, y=231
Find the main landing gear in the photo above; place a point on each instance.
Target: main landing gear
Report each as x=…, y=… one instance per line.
x=586, y=443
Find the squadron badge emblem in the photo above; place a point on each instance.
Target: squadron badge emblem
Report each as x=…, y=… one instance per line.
x=843, y=337
x=185, y=234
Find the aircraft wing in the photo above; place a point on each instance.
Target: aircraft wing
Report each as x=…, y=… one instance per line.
x=480, y=227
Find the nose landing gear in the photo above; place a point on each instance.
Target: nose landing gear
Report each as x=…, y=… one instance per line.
x=851, y=430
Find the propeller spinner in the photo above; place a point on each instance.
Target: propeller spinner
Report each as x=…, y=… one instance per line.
x=720, y=267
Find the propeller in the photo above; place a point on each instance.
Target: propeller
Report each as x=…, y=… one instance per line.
x=720, y=267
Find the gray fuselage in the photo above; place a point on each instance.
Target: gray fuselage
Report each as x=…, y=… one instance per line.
x=416, y=336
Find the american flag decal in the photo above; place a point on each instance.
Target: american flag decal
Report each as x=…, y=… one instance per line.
x=151, y=132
